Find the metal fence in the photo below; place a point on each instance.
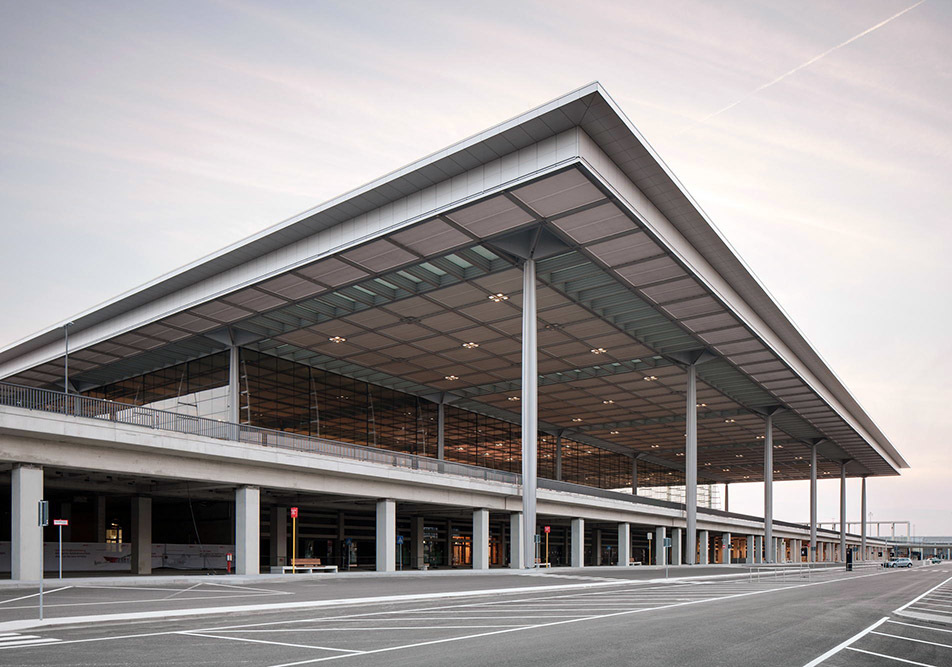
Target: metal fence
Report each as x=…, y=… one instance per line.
x=76, y=405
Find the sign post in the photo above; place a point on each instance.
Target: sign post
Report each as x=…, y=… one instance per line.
x=294, y=516
x=667, y=559
x=400, y=552
x=43, y=520
x=548, y=529
x=59, y=523
x=649, y=547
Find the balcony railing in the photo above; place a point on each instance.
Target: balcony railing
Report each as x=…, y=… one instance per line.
x=76, y=405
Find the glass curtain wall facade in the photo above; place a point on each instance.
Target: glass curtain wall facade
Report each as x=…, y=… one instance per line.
x=284, y=395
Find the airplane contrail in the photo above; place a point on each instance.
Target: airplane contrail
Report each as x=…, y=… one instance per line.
x=799, y=67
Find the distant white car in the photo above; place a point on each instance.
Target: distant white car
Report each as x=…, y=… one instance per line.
x=899, y=562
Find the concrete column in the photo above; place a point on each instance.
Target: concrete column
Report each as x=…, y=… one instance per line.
x=814, y=548
x=771, y=554
x=661, y=554
x=677, y=544
x=278, y=555
x=751, y=545
x=863, y=519
x=101, y=519
x=440, y=429
x=141, y=538
x=26, y=548
x=598, y=546
x=481, y=539
x=690, y=467
x=624, y=544
x=727, y=497
x=517, y=542
x=387, y=535
x=248, y=530
x=634, y=477
x=705, y=547
x=726, y=549
x=234, y=388
x=758, y=549
x=530, y=406
x=843, y=510
x=578, y=543
x=417, y=552
x=558, y=456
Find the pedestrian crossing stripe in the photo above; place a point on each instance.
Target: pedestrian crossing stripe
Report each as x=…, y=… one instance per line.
x=16, y=640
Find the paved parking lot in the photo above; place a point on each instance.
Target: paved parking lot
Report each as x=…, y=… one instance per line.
x=782, y=618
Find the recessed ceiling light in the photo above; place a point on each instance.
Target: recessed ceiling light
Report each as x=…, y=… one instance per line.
x=512, y=398
x=470, y=346
x=798, y=458
x=680, y=454
x=707, y=463
x=451, y=377
x=599, y=350
x=499, y=444
x=608, y=402
x=651, y=378
x=761, y=437
x=778, y=446
x=702, y=405
x=670, y=473
x=498, y=297
x=614, y=432
x=746, y=476
x=459, y=449
x=729, y=421
x=725, y=469
x=576, y=419
x=337, y=339
x=738, y=456
x=655, y=446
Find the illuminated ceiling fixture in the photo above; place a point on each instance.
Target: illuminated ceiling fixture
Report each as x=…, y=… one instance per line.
x=680, y=454
x=761, y=437
x=470, y=346
x=451, y=377
x=614, y=432
x=708, y=463
x=337, y=339
x=459, y=449
x=513, y=398
x=599, y=350
x=498, y=297
x=746, y=476
x=670, y=473
x=798, y=458
x=778, y=446
x=651, y=378
x=738, y=456
x=655, y=446
x=725, y=469
x=729, y=421
x=576, y=419
x=499, y=444
x=702, y=405
x=608, y=402
x=776, y=471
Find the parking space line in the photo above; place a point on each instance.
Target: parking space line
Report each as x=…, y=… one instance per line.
x=33, y=595
x=264, y=641
x=924, y=627
x=914, y=600
x=843, y=645
x=911, y=639
x=890, y=657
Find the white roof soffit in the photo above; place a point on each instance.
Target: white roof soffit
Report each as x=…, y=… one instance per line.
x=589, y=108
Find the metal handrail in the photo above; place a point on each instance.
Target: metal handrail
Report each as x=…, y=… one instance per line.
x=77, y=405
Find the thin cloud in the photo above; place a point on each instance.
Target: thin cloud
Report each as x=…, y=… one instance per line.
x=798, y=68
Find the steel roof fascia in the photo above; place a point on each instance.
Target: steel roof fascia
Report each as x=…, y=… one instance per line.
x=182, y=276
x=723, y=286
x=134, y=319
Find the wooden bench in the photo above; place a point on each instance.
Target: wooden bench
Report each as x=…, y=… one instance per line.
x=304, y=565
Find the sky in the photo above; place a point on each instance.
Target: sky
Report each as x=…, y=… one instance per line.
x=817, y=135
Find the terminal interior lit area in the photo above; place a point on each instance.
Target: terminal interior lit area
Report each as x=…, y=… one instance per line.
x=529, y=349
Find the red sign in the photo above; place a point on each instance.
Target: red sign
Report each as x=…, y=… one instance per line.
x=548, y=529
x=60, y=522
x=294, y=512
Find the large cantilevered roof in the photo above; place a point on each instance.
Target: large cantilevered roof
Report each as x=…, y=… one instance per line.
x=634, y=281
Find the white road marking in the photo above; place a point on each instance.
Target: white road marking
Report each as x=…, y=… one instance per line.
x=890, y=657
x=264, y=641
x=15, y=640
x=184, y=590
x=914, y=600
x=924, y=627
x=911, y=639
x=34, y=595
x=843, y=645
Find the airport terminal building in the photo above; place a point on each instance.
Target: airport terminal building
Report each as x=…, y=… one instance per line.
x=492, y=357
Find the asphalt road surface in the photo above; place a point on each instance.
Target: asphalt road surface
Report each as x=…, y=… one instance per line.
x=832, y=618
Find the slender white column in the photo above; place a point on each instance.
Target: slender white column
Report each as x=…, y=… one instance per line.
x=386, y=535
x=768, y=490
x=704, y=546
x=690, y=467
x=624, y=544
x=843, y=511
x=751, y=547
x=578, y=543
x=278, y=546
x=417, y=550
x=726, y=549
x=530, y=407
x=676, y=545
x=758, y=549
x=247, y=529
x=661, y=554
x=813, y=545
x=863, y=518
x=481, y=539
x=598, y=546
x=517, y=542
x=440, y=426
x=558, y=456
x=234, y=388
x=26, y=548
